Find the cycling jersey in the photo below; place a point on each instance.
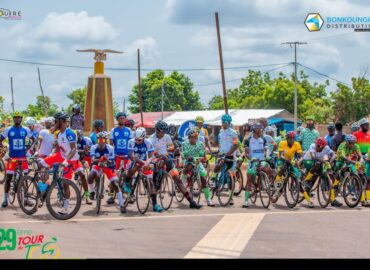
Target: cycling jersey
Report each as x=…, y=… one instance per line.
x=227, y=139
x=289, y=152
x=161, y=145
x=47, y=142
x=107, y=151
x=85, y=141
x=344, y=152
x=318, y=155
x=363, y=141
x=64, y=140
x=193, y=150
x=17, y=140
x=142, y=150
x=120, y=138
x=256, y=147
x=269, y=144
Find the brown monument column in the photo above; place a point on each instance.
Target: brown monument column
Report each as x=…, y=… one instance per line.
x=99, y=100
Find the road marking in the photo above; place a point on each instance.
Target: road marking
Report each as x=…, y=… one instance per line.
x=228, y=238
x=288, y=212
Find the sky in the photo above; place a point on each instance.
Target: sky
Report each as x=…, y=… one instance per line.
x=173, y=35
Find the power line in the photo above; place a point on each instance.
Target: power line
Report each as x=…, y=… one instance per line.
x=324, y=75
x=134, y=69
x=237, y=79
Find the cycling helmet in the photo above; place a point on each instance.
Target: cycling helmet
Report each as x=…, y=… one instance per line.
x=76, y=107
x=172, y=129
x=161, y=126
x=102, y=135
x=49, y=120
x=199, y=119
x=140, y=133
x=256, y=126
x=57, y=115
x=192, y=132
x=131, y=122
x=64, y=116
x=300, y=128
x=363, y=121
x=80, y=134
x=351, y=139
x=98, y=123
x=291, y=135
x=31, y=121
x=331, y=126
x=226, y=118
x=119, y=114
x=321, y=142
x=269, y=129
x=17, y=114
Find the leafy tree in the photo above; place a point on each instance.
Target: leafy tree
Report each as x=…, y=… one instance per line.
x=43, y=107
x=178, y=93
x=78, y=96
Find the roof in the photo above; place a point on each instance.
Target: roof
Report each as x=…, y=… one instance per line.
x=213, y=117
x=150, y=118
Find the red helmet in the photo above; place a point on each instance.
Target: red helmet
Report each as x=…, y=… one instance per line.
x=291, y=135
x=322, y=142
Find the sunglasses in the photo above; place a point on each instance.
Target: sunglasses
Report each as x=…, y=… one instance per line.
x=101, y=140
x=138, y=139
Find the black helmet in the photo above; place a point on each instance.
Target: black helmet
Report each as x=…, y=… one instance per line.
x=172, y=129
x=119, y=114
x=76, y=107
x=132, y=122
x=98, y=123
x=57, y=115
x=61, y=115
x=161, y=126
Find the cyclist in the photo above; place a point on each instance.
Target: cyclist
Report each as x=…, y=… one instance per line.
x=101, y=152
x=317, y=151
x=339, y=137
x=355, y=127
x=176, y=139
x=46, y=139
x=16, y=135
x=141, y=151
x=203, y=132
x=77, y=119
x=289, y=150
x=163, y=146
x=31, y=124
x=270, y=142
x=67, y=155
x=228, y=145
x=255, y=149
x=119, y=137
x=98, y=127
x=363, y=140
x=83, y=147
x=347, y=151
x=193, y=149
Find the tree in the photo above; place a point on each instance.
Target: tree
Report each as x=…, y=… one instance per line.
x=178, y=93
x=78, y=96
x=43, y=107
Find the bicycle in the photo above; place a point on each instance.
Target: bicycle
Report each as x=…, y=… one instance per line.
x=238, y=177
x=3, y=151
x=260, y=185
x=18, y=173
x=164, y=184
x=224, y=184
x=289, y=186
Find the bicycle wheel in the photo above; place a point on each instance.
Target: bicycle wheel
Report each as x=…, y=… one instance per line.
x=253, y=193
x=291, y=191
x=196, y=190
x=28, y=195
x=13, y=190
x=264, y=185
x=142, y=195
x=99, y=193
x=323, y=190
x=273, y=187
x=352, y=190
x=225, y=189
x=178, y=194
x=239, y=181
x=2, y=171
x=57, y=203
x=166, y=191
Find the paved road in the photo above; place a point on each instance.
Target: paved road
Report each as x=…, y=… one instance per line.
x=232, y=232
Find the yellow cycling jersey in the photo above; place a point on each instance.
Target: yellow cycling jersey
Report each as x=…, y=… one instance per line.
x=290, y=151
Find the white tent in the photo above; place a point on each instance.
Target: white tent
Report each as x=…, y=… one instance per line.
x=213, y=117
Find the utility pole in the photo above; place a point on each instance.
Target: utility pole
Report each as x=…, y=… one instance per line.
x=295, y=43
x=139, y=85
x=162, y=97
x=42, y=92
x=124, y=104
x=11, y=88
x=221, y=64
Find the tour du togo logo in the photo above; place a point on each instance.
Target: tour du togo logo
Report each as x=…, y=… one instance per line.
x=314, y=22
x=10, y=14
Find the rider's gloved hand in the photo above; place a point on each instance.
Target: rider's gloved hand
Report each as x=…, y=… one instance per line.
x=65, y=163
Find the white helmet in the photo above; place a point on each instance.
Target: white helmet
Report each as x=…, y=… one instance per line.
x=140, y=133
x=269, y=129
x=31, y=121
x=49, y=120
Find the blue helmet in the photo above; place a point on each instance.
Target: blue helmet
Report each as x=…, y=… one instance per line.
x=226, y=118
x=351, y=139
x=119, y=114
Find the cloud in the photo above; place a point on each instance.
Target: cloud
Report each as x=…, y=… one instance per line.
x=78, y=27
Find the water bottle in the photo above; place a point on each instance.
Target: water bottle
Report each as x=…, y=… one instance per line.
x=42, y=186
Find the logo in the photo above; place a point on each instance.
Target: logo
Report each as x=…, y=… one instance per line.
x=314, y=22
x=10, y=14
x=23, y=133
x=12, y=134
x=116, y=133
x=35, y=245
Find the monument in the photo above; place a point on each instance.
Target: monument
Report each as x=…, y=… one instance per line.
x=99, y=100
